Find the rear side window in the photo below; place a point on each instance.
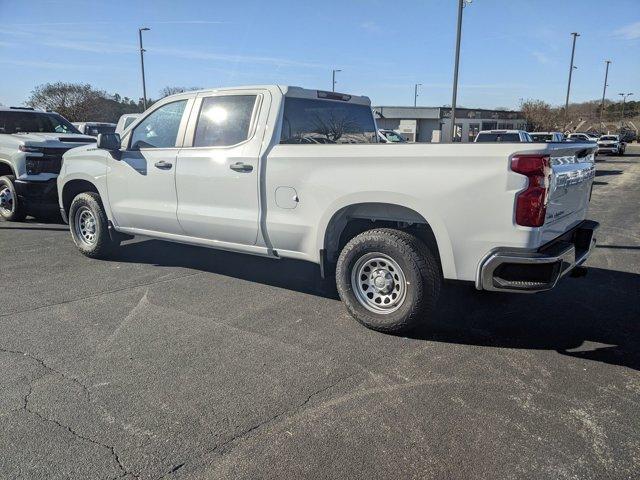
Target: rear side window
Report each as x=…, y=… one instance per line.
x=224, y=120
x=312, y=122
x=160, y=128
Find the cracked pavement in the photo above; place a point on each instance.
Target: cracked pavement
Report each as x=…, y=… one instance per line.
x=172, y=361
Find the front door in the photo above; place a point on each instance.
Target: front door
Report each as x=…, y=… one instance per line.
x=217, y=174
x=141, y=183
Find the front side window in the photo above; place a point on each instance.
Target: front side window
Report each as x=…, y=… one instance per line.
x=29, y=122
x=224, y=120
x=309, y=121
x=160, y=128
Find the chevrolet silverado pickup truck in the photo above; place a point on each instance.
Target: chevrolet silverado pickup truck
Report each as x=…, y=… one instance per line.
x=31, y=146
x=286, y=172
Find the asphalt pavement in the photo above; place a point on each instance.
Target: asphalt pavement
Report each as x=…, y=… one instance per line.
x=182, y=362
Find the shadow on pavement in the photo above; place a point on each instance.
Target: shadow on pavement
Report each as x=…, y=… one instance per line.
x=601, y=309
x=606, y=173
x=596, y=317
x=290, y=274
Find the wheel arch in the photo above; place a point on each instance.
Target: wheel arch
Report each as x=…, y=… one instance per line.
x=350, y=220
x=74, y=187
x=6, y=168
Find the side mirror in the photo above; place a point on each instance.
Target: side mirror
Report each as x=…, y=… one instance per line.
x=109, y=141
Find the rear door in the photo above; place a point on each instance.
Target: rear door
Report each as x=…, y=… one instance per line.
x=141, y=183
x=218, y=169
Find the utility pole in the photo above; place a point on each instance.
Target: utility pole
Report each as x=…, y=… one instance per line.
x=333, y=77
x=571, y=67
x=142, y=50
x=604, y=90
x=624, y=99
x=461, y=4
x=415, y=94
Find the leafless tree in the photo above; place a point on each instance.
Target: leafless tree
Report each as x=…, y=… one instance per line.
x=81, y=102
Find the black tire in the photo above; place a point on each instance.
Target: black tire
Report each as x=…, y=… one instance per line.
x=91, y=237
x=14, y=211
x=417, y=264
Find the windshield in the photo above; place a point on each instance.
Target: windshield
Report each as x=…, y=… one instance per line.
x=608, y=137
x=39, y=122
x=498, y=137
x=393, y=137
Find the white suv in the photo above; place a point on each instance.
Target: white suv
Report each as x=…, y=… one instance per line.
x=31, y=146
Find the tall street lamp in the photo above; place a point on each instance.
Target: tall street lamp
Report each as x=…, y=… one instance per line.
x=142, y=50
x=624, y=99
x=571, y=67
x=604, y=89
x=333, y=79
x=415, y=94
x=461, y=5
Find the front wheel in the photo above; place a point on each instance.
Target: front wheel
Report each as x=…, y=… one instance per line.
x=11, y=209
x=89, y=226
x=388, y=280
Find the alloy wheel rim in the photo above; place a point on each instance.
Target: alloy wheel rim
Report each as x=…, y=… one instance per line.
x=6, y=199
x=379, y=283
x=85, y=226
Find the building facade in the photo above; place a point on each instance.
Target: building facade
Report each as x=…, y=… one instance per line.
x=433, y=124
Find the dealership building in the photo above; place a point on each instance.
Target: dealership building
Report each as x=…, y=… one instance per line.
x=433, y=124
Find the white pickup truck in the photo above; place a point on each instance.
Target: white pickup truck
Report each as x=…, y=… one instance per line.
x=287, y=172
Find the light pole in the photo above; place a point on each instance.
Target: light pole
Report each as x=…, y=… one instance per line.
x=142, y=50
x=573, y=51
x=604, y=89
x=333, y=79
x=624, y=99
x=415, y=94
x=461, y=4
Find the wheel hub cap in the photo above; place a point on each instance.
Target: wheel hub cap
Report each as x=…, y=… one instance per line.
x=6, y=199
x=85, y=226
x=378, y=283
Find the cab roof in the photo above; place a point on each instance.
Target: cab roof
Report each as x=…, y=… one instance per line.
x=290, y=91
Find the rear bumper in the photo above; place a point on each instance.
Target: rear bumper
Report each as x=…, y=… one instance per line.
x=529, y=272
x=38, y=194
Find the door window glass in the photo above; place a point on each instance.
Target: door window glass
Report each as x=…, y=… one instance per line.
x=160, y=129
x=224, y=120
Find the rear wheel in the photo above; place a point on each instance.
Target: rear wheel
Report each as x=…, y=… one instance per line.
x=11, y=209
x=388, y=280
x=89, y=226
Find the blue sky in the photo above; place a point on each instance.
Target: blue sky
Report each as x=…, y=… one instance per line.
x=511, y=49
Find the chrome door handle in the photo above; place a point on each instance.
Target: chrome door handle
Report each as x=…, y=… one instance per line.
x=162, y=165
x=241, y=167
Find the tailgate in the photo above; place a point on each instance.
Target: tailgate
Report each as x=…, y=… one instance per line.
x=573, y=171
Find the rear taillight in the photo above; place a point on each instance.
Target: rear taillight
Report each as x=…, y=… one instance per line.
x=531, y=203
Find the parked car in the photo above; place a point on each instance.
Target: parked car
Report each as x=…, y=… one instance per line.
x=31, y=146
x=611, y=144
x=94, y=128
x=547, y=136
x=231, y=168
x=391, y=136
x=503, y=136
x=125, y=120
x=582, y=137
